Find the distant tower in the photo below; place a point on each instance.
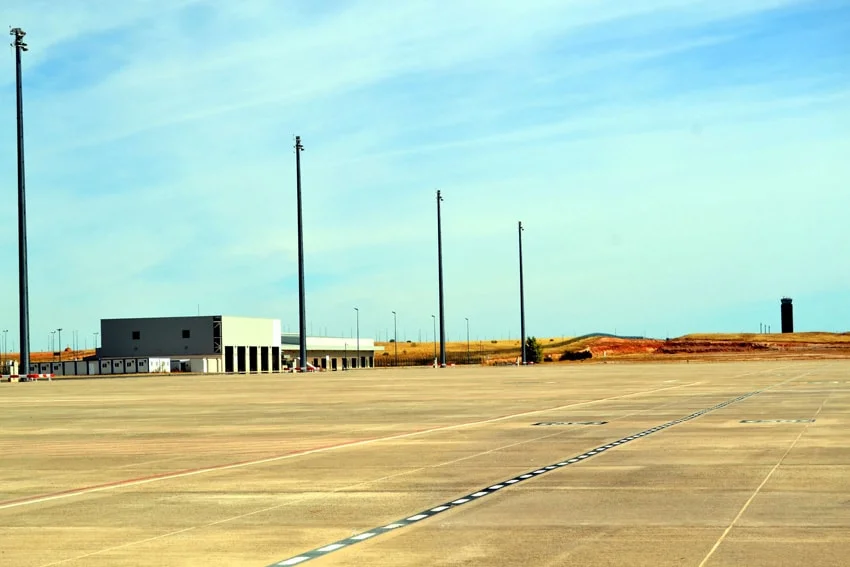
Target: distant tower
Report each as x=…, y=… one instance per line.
x=787, y=315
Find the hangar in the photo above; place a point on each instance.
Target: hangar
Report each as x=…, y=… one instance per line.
x=217, y=343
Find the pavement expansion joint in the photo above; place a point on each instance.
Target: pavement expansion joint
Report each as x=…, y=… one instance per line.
x=447, y=506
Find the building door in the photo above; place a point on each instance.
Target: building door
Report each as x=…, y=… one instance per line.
x=228, y=359
x=264, y=359
x=241, y=359
x=252, y=359
x=333, y=364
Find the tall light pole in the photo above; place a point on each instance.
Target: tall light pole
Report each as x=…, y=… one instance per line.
x=4, y=348
x=440, y=273
x=356, y=310
x=468, y=358
x=302, y=309
x=52, y=343
x=395, y=336
x=434, y=317
x=95, y=340
x=521, y=299
x=60, y=344
x=23, y=288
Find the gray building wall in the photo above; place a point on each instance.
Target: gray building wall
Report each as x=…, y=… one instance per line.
x=157, y=336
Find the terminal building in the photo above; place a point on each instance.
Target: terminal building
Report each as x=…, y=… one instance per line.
x=208, y=344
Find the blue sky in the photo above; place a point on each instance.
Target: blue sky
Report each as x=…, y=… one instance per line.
x=678, y=165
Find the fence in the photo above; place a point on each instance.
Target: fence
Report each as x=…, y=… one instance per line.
x=413, y=360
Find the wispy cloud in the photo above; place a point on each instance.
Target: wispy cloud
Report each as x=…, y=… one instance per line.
x=672, y=161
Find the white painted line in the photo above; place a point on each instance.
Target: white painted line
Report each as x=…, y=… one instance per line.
x=440, y=508
x=361, y=537
x=496, y=487
x=417, y=517
x=478, y=494
x=512, y=481
x=526, y=476
x=393, y=526
x=331, y=547
x=460, y=501
x=538, y=471
x=294, y=560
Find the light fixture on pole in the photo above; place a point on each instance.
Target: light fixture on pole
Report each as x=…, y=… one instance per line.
x=357, y=310
x=440, y=275
x=302, y=309
x=468, y=358
x=521, y=300
x=395, y=336
x=23, y=286
x=434, y=317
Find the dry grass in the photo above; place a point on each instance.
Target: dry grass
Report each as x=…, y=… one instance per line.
x=810, y=337
x=497, y=348
x=50, y=357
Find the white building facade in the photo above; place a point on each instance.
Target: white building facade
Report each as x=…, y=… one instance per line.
x=331, y=353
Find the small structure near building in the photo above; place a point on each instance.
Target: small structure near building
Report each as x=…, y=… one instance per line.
x=330, y=353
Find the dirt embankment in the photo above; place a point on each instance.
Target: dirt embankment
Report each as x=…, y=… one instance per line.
x=804, y=344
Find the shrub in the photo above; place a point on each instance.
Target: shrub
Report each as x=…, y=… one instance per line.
x=579, y=355
x=533, y=350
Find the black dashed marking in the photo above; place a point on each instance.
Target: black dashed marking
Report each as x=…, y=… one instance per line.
x=442, y=508
x=777, y=421
x=570, y=423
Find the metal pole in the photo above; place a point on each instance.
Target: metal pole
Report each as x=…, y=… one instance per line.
x=302, y=310
x=60, y=344
x=23, y=287
x=440, y=272
x=95, y=340
x=521, y=299
x=358, y=337
x=468, y=358
x=434, y=317
x=395, y=336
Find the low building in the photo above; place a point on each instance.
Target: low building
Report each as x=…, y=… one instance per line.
x=197, y=344
x=330, y=353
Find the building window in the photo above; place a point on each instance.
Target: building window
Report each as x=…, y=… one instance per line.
x=186, y=333
x=137, y=335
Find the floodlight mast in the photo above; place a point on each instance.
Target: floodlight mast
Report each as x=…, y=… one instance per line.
x=302, y=309
x=524, y=357
x=23, y=288
x=440, y=276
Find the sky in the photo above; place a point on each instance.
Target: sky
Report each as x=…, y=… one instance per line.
x=678, y=166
